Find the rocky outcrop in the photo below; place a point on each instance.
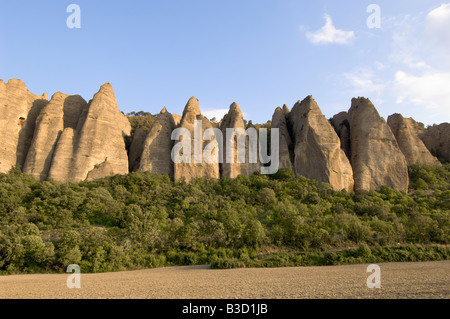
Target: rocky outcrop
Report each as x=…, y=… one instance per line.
x=234, y=119
x=136, y=148
x=342, y=127
x=98, y=138
x=156, y=155
x=176, y=119
x=437, y=139
x=63, y=156
x=19, y=109
x=195, y=167
x=67, y=139
x=406, y=132
x=375, y=156
x=101, y=170
x=318, y=153
x=252, y=168
x=286, y=150
x=61, y=112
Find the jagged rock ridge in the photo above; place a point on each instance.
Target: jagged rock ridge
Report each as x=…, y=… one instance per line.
x=68, y=139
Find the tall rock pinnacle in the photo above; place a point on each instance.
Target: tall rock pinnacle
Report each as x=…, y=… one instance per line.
x=375, y=156
x=194, y=169
x=318, y=153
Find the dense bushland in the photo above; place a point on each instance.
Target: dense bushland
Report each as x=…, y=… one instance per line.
x=143, y=220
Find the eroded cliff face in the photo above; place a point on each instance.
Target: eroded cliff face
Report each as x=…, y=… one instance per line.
x=136, y=149
x=70, y=140
x=94, y=142
x=19, y=109
x=375, y=156
x=437, y=139
x=318, y=153
x=63, y=111
x=406, y=132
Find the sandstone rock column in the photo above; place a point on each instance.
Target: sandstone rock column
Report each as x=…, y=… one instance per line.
x=97, y=146
x=437, y=139
x=285, y=142
x=318, y=153
x=375, y=156
x=19, y=109
x=136, y=148
x=342, y=127
x=407, y=136
x=251, y=168
x=157, y=147
x=61, y=112
x=234, y=119
x=189, y=171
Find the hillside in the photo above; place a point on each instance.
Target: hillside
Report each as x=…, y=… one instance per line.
x=144, y=220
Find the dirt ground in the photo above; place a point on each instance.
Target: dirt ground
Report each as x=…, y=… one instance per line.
x=398, y=280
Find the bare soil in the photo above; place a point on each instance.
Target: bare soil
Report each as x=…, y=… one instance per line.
x=398, y=280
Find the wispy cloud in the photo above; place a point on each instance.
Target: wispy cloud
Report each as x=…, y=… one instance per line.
x=329, y=34
x=363, y=81
x=429, y=90
x=414, y=73
x=425, y=82
x=217, y=113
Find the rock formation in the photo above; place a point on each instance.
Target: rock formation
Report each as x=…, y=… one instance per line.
x=279, y=120
x=342, y=127
x=195, y=167
x=234, y=119
x=136, y=148
x=156, y=155
x=176, y=119
x=318, y=153
x=101, y=170
x=70, y=140
x=61, y=112
x=375, y=156
x=406, y=132
x=437, y=139
x=98, y=138
x=19, y=109
x=252, y=168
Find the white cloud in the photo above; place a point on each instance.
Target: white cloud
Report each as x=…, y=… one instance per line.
x=429, y=90
x=217, y=113
x=422, y=79
x=439, y=17
x=414, y=74
x=329, y=34
x=363, y=82
x=436, y=36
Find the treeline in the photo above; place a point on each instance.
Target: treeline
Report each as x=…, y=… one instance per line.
x=142, y=220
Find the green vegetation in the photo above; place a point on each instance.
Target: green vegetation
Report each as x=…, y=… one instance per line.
x=141, y=119
x=143, y=220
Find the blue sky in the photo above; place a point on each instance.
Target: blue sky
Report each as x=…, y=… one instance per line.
x=258, y=53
